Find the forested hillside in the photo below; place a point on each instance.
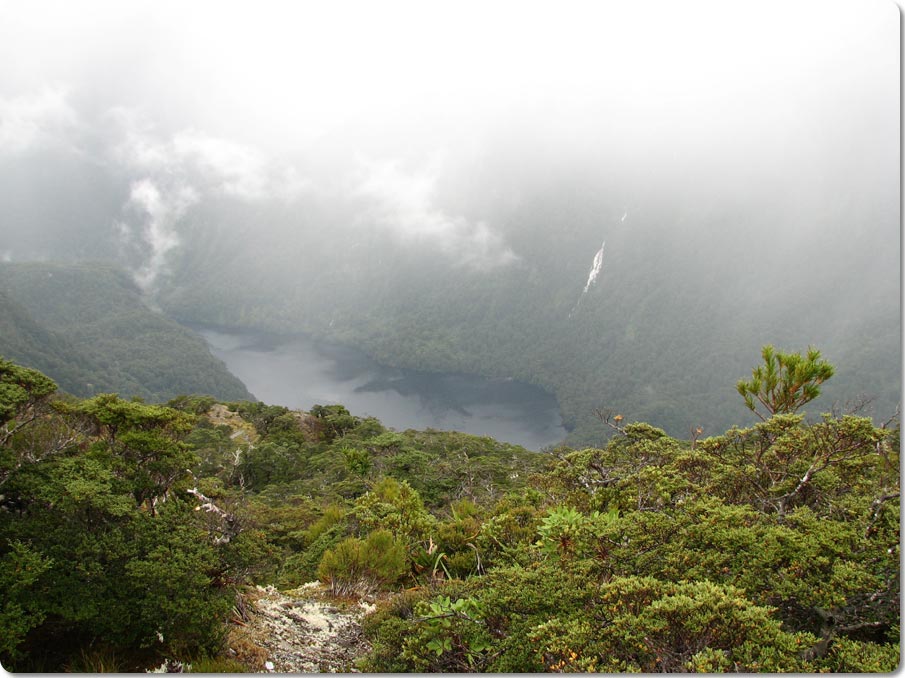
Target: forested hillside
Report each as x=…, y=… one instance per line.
x=88, y=327
x=135, y=535
x=685, y=297
x=474, y=260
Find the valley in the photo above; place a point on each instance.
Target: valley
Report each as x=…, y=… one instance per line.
x=410, y=337
x=299, y=372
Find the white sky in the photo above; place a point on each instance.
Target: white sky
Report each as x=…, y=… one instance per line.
x=255, y=99
x=285, y=72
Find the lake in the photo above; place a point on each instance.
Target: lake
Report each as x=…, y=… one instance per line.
x=299, y=372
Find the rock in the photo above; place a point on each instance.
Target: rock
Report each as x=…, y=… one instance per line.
x=303, y=631
x=242, y=431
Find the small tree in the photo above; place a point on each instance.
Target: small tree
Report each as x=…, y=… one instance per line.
x=361, y=566
x=21, y=391
x=785, y=382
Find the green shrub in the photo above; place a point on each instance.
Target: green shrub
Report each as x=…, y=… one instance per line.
x=301, y=568
x=850, y=656
x=451, y=636
x=195, y=404
x=358, y=461
x=394, y=506
x=391, y=627
x=357, y=566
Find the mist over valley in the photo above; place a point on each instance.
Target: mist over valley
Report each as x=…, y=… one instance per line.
x=446, y=213
x=409, y=337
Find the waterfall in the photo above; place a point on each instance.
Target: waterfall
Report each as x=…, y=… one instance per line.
x=596, y=267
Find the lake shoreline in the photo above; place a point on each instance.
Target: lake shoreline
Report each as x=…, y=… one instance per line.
x=299, y=370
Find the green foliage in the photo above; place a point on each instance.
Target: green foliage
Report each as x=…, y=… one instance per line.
x=457, y=538
x=20, y=389
x=142, y=442
x=759, y=550
x=102, y=545
x=566, y=532
x=358, y=461
x=116, y=415
x=193, y=404
x=88, y=327
x=268, y=463
x=302, y=567
x=178, y=600
x=359, y=566
x=560, y=530
x=336, y=420
x=274, y=422
x=782, y=463
x=331, y=517
x=443, y=466
x=771, y=548
x=300, y=459
x=549, y=619
x=394, y=506
x=785, y=382
x=101, y=660
x=248, y=557
x=655, y=627
x=20, y=569
x=387, y=628
x=847, y=656
x=25, y=436
x=507, y=536
x=454, y=631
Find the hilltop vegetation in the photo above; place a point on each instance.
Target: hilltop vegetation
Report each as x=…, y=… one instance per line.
x=87, y=326
x=130, y=533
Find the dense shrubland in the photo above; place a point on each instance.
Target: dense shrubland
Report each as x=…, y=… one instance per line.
x=130, y=531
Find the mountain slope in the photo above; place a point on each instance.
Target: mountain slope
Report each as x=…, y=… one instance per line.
x=685, y=298
x=87, y=327
x=27, y=342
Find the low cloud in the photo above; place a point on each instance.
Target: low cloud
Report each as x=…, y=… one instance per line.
x=403, y=203
x=34, y=119
x=211, y=164
x=175, y=173
x=152, y=232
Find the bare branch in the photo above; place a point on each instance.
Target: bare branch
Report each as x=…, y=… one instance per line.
x=696, y=432
x=606, y=415
x=889, y=421
x=875, y=506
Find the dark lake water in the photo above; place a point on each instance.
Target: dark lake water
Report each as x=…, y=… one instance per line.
x=299, y=372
